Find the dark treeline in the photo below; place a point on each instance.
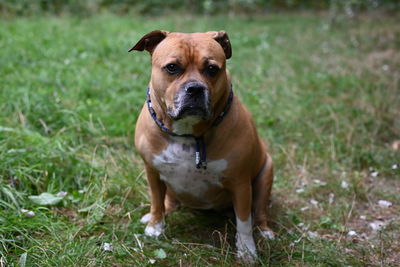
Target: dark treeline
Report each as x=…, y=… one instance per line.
x=157, y=7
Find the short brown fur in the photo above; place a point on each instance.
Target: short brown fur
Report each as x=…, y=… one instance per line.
x=248, y=178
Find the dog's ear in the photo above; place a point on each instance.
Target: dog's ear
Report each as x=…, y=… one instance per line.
x=222, y=38
x=150, y=41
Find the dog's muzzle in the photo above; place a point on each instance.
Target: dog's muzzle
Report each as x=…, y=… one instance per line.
x=193, y=99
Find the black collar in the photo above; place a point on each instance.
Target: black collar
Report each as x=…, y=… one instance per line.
x=201, y=156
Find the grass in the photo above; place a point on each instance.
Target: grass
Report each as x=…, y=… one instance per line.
x=324, y=97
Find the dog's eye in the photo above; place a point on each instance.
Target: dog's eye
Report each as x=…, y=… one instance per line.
x=172, y=68
x=212, y=70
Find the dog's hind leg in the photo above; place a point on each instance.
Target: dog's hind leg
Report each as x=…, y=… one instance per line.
x=170, y=202
x=262, y=186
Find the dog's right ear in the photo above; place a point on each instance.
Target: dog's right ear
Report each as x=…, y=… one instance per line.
x=150, y=41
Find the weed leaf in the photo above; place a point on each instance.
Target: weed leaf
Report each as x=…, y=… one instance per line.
x=45, y=199
x=160, y=253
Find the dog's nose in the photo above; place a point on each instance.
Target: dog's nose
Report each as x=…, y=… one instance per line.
x=195, y=89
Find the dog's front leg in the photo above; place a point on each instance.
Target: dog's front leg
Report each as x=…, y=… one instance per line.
x=242, y=197
x=155, y=219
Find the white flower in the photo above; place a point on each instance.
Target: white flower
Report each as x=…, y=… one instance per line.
x=384, y=203
x=376, y=225
x=304, y=208
x=319, y=182
x=312, y=235
x=352, y=233
x=28, y=213
x=374, y=174
x=299, y=190
x=344, y=184
x=107, y=247
x=331, y=197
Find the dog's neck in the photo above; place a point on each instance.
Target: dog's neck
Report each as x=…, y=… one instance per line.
x=185, y=125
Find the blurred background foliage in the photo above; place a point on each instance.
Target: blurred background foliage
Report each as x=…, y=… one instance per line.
x=159, y=7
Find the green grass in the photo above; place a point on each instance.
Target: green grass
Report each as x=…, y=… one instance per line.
x=324, y=97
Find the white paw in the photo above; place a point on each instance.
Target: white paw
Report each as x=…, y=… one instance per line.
x=246, y=248
x=268, y=234
x=154, y=230
x=146, y=218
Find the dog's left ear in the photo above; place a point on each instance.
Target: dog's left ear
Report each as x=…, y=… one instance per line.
x=222, y=38
x=150, y=41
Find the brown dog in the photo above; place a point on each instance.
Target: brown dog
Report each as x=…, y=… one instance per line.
x=198, y=142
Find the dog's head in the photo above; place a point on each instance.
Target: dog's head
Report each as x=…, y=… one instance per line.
x=189, y=74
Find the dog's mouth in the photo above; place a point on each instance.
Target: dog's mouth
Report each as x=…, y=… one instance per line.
x=190, y=110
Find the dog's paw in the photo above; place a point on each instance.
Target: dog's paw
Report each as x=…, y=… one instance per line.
x=146, y=218
x=267, y=234
x=246, y=248
x=154, y=230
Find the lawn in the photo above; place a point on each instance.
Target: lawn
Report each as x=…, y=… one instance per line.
x=325, y=98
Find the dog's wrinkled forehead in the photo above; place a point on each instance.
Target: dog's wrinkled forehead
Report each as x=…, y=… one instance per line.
x=188, y=48
x=194, y=42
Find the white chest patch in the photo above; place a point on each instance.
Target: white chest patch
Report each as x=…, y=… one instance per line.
x=177, y=167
